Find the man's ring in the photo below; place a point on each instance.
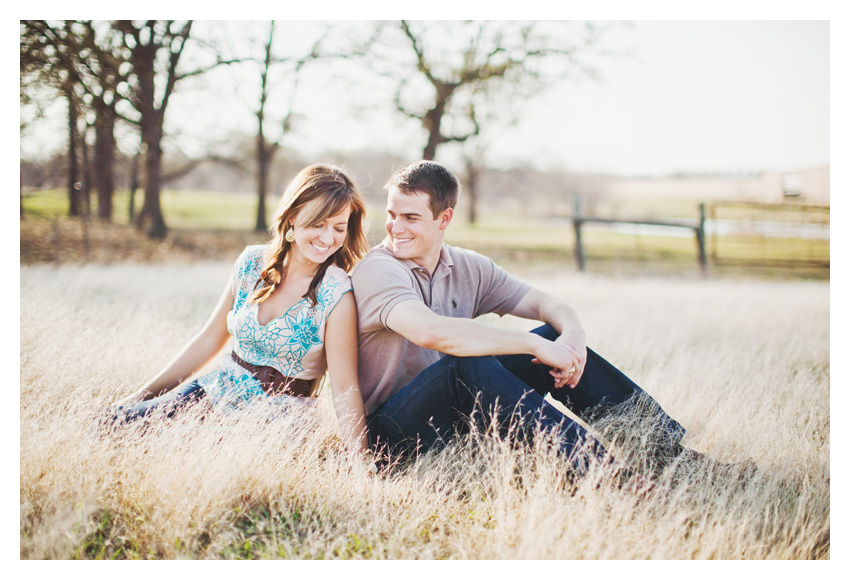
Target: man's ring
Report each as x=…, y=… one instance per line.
x=572, y=370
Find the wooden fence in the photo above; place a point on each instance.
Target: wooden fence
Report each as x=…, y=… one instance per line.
x=698, y=228
x=773, y=234
x=740, y=233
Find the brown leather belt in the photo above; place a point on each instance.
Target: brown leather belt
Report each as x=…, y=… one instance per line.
x=276, y=383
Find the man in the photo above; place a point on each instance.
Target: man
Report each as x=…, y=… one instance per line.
x=426, y=367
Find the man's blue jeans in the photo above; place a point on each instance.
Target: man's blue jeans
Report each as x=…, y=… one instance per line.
x=439, y=402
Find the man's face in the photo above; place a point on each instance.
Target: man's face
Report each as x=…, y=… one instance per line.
x=414, y=233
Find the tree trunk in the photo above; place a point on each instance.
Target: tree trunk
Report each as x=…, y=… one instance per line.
x=134, y=183
x=433, y=119
x=73, y=164
x=151, y=123
x=151, y=210
x=104, y=161
x=432, y=125
x=85, y=189
x=262, y=178
x=472, y=175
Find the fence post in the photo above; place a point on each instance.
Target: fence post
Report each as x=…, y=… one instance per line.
x=700, y=231
x=577, y=221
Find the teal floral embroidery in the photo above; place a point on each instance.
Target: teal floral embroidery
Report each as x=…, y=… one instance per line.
x=248, y=270
x=292, y=362
x=325, y=294
x=305, y=334
x=229, y=390
x=271, y=338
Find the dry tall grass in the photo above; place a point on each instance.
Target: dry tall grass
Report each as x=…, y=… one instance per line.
x=744, y=365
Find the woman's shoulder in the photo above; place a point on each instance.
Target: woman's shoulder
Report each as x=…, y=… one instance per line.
x=337, y=276
x=253, y=252
x=335, y=283
x=248, y=266
x=251, y=257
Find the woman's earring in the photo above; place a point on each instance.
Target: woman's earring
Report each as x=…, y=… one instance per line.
x=290, y=236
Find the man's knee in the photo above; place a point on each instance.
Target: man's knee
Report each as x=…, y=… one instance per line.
x=476, y=366
x=546, y=331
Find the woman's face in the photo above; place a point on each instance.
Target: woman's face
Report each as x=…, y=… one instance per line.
x=318, y=242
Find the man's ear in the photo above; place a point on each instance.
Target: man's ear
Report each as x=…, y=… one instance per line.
x=446, y=218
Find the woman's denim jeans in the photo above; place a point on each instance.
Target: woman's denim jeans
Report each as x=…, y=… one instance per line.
x=166, y=405
x=510, y=389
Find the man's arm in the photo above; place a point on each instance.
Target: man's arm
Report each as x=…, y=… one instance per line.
x=465, y=337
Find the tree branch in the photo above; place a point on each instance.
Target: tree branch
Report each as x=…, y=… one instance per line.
x=174, y=57
x=420, y=54
x=182, y=171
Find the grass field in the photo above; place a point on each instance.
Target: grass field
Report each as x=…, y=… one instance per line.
x=743, y=364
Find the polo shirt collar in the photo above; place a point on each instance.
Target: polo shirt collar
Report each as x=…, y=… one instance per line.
x=444, y=264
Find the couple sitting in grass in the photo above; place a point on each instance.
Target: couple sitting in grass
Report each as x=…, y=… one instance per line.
x=409, y=365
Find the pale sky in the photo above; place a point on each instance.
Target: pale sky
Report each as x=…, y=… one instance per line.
x=697, y=96
x=704, y=96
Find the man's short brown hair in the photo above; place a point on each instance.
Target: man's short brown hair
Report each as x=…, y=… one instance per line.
x=430, y=178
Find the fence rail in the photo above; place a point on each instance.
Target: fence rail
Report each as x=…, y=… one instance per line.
x=698, y=228
x=787, y=234
x=741, y=233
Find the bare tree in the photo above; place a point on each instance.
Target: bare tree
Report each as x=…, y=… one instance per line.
x=474, y=150
x=100, y=63
x=458, y=66
x=266, y=149
x=473, y=160
x=86, y=60
x=350, y=46
x=155, y=51
x=155, y=47
x=44, y=63
x=280, y=66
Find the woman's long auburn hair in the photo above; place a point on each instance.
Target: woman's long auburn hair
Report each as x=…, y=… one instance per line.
x=317, y=181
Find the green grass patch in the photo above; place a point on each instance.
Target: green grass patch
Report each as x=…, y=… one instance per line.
x=754, y=249
x=182, y=209
x=210, y=224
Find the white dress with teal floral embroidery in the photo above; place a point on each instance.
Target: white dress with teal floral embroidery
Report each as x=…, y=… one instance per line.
x=293, y=343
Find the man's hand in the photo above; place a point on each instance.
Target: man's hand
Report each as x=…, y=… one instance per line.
x=568, y=366
x=575, y=341
x=566, y=358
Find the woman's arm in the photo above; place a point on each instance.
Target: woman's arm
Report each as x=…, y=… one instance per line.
x=341, y=351
x=198, y=352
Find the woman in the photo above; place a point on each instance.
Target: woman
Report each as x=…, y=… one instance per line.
x=290, y=311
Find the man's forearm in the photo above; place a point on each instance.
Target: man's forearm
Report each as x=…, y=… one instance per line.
x=457, y=336
x=564, y=320
x=464, y=337
x=537, y=305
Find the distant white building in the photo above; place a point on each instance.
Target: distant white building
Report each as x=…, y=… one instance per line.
x=810, y=186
